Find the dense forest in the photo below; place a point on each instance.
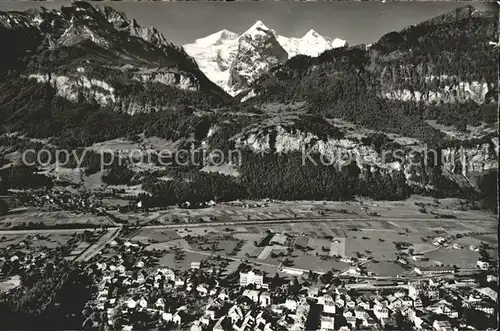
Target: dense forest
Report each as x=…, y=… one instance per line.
x=285, y=177
x=22, y=177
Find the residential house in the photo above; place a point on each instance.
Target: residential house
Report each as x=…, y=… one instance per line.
x=278, y=239
x=218, y=325
x=302, y=242
x=380, y=312
x=340, y=302
x=327, y=323
x=202, y=290
x=352, y=271
x=168, y=273
x=347, y=313
x=363, y=303
x=417, y=303
x=367, y=320
x=359, y=312
x=414, y=290
x=252, y=295
x=351, y=320
x=407, y=301
x=443, y=307
x=328, y=304
x=483, y=265
x=265, y=299
x=442, y=326
x=291, y=304
x=235, y=313
x=419, y=257
x=177, y=318
x=432, y=293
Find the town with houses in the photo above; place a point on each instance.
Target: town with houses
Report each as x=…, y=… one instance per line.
x=131, y=291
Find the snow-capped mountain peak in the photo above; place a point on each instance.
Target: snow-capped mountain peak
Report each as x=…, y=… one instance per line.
x=311, y=34
x=258, y=28
x=218, y=52
x=338, y=42
x=216, y=38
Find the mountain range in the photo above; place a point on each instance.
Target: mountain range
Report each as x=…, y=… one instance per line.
x=233, y=61
x=81, y=75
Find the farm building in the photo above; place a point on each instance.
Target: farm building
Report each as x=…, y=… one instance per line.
x=278, y=239
x=264, y=241
x=302, y=242
x=337, y=247
x=255, y=252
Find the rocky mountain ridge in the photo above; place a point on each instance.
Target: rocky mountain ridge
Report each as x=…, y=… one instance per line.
x=98, y=54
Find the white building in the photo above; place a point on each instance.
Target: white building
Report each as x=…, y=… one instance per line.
x=380, y=312
x=265, y=299
x=328, y=304
x=168, y=273
x=291, y=304
x=251, y=278
x=442, y=326
x=327, y=323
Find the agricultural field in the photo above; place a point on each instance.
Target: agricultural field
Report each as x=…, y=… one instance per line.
x=363, y=210
x=34, y=241
x=56, y=219
x=372, y=241
x=136, y=218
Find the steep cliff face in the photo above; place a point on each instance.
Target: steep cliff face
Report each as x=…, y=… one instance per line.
x=454, y=93
x=448, y=59
x=468, y=159
x=374, y=152
x=258, y=51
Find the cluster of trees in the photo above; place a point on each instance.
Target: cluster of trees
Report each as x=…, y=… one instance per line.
x=295, y=177
x=4, y=207
x=488, y=186
x=118, y=175
x=22, y=177
x=279, y=177
x=193, y=187
x=51, y=297
x=288, y=178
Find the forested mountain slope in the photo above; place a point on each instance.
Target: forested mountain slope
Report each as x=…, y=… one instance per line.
x=94, y=57
x=443, y=69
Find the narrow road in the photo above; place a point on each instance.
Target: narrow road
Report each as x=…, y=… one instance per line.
x=94, y=249
x=49, y=231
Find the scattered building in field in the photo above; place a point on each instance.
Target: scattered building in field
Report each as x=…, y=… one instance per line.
x=337, y=247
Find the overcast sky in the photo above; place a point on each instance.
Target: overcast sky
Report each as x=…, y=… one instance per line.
x=356, y=22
